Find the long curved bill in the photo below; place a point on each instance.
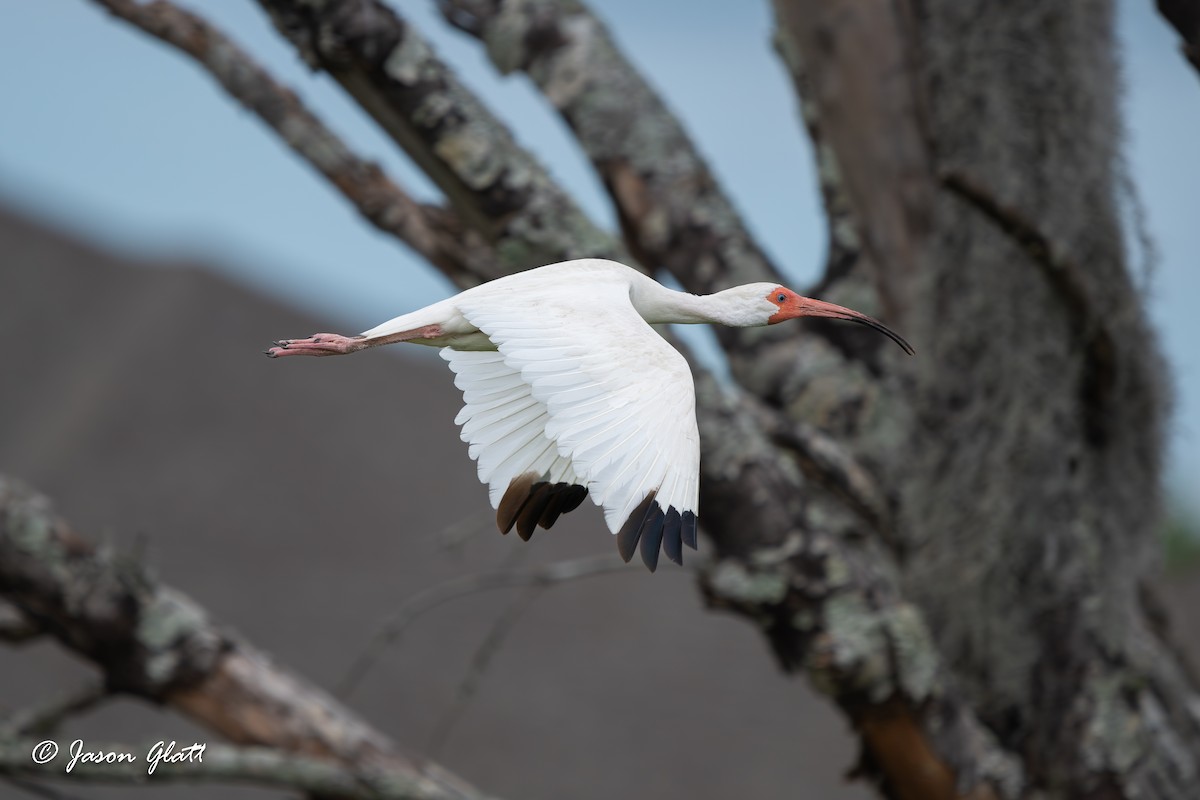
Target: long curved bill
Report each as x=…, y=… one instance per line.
x=819, y=308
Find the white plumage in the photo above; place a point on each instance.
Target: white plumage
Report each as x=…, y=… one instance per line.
x=568, y=391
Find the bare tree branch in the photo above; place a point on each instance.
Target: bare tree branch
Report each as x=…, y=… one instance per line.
x=673, y=212
x=154, y=642
x=434, y=233
x=845, y=242
x=214, y=764
x=499, y=189
x=542, y=575
x=482, y=658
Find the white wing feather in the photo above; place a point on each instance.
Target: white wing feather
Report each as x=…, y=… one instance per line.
x=582, y=385
x=503, y=423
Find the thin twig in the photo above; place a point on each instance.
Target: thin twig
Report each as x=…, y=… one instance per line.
x=43, y=719
x=480, y=661
x=434, y=596
x=435, y=233
x=462, y=530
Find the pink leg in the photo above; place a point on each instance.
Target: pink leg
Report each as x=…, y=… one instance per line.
x=334, y=344
x=319, y=344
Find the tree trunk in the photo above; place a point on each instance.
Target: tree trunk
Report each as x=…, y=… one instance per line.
x=978, y=145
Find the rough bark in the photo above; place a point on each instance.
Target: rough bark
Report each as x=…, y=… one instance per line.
x=823, y=588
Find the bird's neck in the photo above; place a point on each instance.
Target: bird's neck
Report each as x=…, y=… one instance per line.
x=658, y=305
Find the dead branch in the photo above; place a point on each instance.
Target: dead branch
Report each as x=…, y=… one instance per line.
x=215, y=764
x=497, y=188
x=153, y=642
x=542, y=575
x=434, y=233
x=673, y=212
x=480, y=660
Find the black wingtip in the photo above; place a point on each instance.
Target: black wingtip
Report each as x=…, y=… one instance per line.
x=631, y=531
x=564, y=498
x=652, y=536
x=652, y=530
x=688, y=529
x=672, y=536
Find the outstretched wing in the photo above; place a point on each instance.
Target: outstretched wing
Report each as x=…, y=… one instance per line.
x=613, y=397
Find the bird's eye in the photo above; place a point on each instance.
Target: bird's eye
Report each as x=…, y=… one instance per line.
x=782, y=298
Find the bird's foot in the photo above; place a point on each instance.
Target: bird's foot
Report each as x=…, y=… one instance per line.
x=319, y=344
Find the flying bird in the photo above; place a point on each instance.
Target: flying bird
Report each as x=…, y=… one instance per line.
x=569, y=392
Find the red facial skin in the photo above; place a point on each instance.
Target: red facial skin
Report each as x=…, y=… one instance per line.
x=792, y=305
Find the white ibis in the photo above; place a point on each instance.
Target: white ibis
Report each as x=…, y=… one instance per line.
x=568, y=390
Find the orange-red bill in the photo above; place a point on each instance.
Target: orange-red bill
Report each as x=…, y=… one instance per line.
x=819, y=308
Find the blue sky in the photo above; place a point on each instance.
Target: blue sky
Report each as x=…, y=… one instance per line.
x=108, y=133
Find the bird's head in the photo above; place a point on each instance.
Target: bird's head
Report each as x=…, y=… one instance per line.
x=786, y=304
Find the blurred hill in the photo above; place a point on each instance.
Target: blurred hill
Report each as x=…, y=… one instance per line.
x=302, y=501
